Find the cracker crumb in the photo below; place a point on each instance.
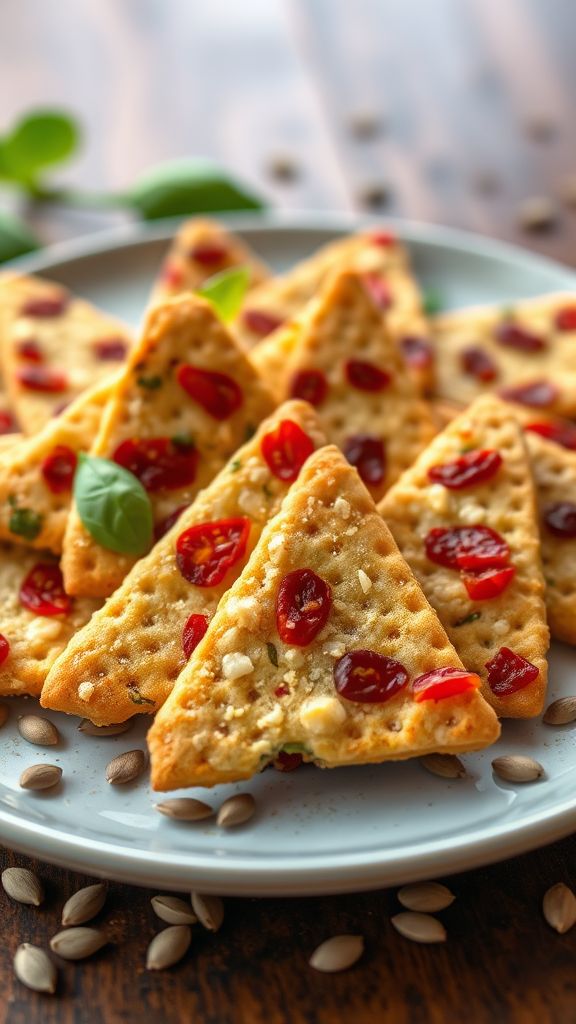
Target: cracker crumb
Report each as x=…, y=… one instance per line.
x=342, y=508
x=85, y=691
x=365, y=581
x=236, y=665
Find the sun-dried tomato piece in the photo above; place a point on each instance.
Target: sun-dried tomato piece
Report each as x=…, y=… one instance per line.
x=565, y=319
x=58, y=469
x=365, y=376
x=217, y=393
x=194, y=629
x=159, y=462
x=4, y=648
x=489, y=583
x=378, y=289
x=562, y=433
x=385, y=239
x=509, y=672
x=368, y=455
x=285, y=762
x=444, y=682
x=166, y=524
x=7, y=422
x=417, y=352
x=30, y=350
x=42, y=591
x=260, y=322
x=309, y=385
x=286, y=449
x=478, y=363
x=538, y=393
x=205, y=552
x=560, y=519
x=208, y=254
x=110, y=350
x=303, y=605
x=470, y=469
x=37, y=377
x=512, y=335
x=369, y=678
x=45, y=307
x=466, y=547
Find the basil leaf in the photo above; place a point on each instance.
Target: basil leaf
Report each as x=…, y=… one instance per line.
x=225, y=291
x=272, y=654
x=15, y=238
x=39, y=139
x=183, y=187
x=113, y=506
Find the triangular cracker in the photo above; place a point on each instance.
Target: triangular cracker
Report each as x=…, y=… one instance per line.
x=504, y=502
x=245, y=693
x=182, y=336
x=53, y=347
x=93, y=678
x=339, y=332
x=202, y=248
x=35, y=641
x=524, y=352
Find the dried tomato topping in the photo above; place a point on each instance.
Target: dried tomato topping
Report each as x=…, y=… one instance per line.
x=110, y=349
x=489, y=583
x=378, y=290
x=58, y=469
x=261, y=323
x=563, y=434
x=205, y=552
x=384, y=238
x=466, y=547
x=444, y=682
x=286, y=449
x=417, y=352
x=368, y=455
x=514, y=336
x=285, y=762
x=309, y=385
x=172, y=276
x=217, y=393
x=509, y=672
x=565, y=319
x=30, y=350
x=194, y=629
x=478, y=363
x=42, y=592
x=365, y=376
x=7, y=422
x=166, y=524
x=538, y=393
x=302, y=607
x=158, y=462
x=209, y=254
x=4, y=648
x=560, y=519
x=46, y=307
x=369, y=678
x=40, y=378
x=470, y=469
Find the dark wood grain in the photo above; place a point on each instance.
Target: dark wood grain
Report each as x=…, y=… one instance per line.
x=452, y=84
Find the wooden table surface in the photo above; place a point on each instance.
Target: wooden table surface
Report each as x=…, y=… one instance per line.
x=463, y=92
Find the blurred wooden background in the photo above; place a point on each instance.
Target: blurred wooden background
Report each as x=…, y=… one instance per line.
x=470, y=103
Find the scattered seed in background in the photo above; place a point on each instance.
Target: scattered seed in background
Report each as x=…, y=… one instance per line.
x=447, y=766
x=486, y=183
x=374, y=195
x=89, y=729
x=559, y=908
x=84, y=904
x=538, y=213
x=209, y=910
x=365, y=124
x=38, y=730
x=568, y=190
x=78, y=943
x=23, y=886
x=561, y=711
x=540, y=127
x=40, y=776
x=126, y=767
x=236, y=810
x=173, y=910
x=185, y=808
x=34, y=968
x=168, y=947
x=425, y=897
x=419, y=927
x=337, y=953
x=282, y=167
x=517, y=768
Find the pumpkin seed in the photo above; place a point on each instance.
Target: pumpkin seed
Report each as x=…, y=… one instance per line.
x=168, y=947
x=78, y=943
x=447, y=766
x=173, y=910
x=337, y=953
x=23, y=886
x=236, y=810
x=40, y=776
x=559, y=908
x=3, y=714
x=84, y=904
x=209, y=910
x=89, y=729
x=126, y=767
x=38, y=730
x=427, y=897
x=419, y=927
x=517, y=768
x=561, y=711
x=34, y=968
x=185, y=808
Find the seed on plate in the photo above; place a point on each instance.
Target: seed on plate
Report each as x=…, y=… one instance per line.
x=419, y=927
x=185, y=808
x=283, y=167
x=537, y=213
x=447, y=766
x=337, y=953
x=40, y=776
x=168, y=947
x=3, y=714
x=209, y=910
x=34, y=968
x=38, y=730
x=236, y=810
x=173, y=910
x=126, y=767
x=374, y=195
x=568, y=190
x=561, y=711
x=23, y=886
x=89, y=729
x=78, y=943
x=426, y=897
x=559, y=908
x=540, y=127
x=517, y=768
x=365, y=124
x=84, y=904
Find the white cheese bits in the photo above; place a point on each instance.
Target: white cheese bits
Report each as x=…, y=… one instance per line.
x=236, y=665
x=322, y=715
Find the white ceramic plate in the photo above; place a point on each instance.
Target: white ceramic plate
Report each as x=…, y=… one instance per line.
x=315, y=831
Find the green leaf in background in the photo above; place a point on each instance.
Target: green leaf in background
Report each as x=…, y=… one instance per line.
x=113, y=506
x=185, y=187
x=432, y=301
x=39, y=140
x=15, y=238
x=226, y=291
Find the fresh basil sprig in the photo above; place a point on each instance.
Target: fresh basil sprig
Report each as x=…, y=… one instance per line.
x=15, y=238
x=113, y=506
x=38, y=140
x=182, y=187
x=225, y=291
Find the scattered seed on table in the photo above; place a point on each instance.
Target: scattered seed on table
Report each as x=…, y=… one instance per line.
x=538, y=213
x=365, y=124
x=374, y=195
x=168, y=947
x=283, y=167
x=540, y=127
x=568, y=190
x=486, y=183
x=419, y=927
x=38, y=730
x=209, y=910
x=173, y=910
x=78, y=943
x=337, y=953
x=23, y=886
x=84, y=904
x=40, y=776
x=559, y=908
x=34, y=968
x=425, y=897
x=236, y=810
